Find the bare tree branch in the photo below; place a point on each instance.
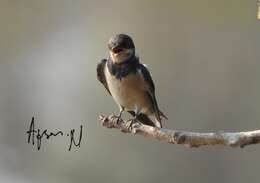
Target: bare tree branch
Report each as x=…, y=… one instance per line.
x=188, y=139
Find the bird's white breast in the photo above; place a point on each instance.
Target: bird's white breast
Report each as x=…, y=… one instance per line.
x=129, y=92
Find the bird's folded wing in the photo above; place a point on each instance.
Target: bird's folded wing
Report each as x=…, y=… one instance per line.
x=101, y=73
x=151, y=90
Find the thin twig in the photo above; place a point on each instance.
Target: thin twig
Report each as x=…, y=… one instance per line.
x=186, y=138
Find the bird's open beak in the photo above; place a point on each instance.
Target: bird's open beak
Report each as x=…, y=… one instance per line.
x=117, y=49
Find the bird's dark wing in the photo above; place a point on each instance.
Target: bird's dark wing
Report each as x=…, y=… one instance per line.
x=151, y=91
x=101, y=73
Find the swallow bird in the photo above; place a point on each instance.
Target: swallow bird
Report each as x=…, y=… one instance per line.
x=129, y=82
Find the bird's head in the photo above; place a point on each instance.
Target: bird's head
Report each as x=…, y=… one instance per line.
x=121, y=48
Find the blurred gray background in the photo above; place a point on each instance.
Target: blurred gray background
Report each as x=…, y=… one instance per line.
x=204, y=58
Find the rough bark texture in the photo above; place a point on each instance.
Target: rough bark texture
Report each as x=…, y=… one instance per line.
x=186, y=138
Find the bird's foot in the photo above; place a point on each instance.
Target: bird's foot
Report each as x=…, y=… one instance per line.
x=131, y=122
x=119, y=116
x=116, y=119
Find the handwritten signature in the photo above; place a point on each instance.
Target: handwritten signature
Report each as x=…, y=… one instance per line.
x=38, y=135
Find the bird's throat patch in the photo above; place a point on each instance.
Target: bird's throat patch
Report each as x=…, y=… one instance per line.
x=123, y=69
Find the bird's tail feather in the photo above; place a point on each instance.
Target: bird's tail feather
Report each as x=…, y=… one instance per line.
x=163, y=115
x=158, y=120
x=147, y=121
x=143, y=118
x=158, y=123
